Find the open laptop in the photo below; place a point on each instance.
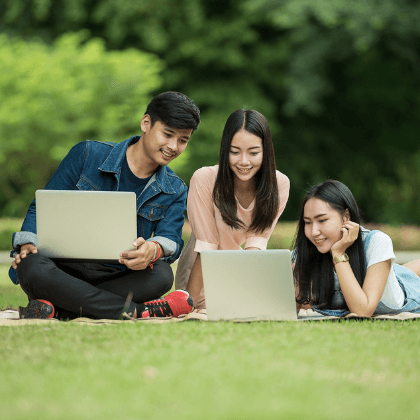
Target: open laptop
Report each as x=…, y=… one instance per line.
x=85, y=225
x=249, y=285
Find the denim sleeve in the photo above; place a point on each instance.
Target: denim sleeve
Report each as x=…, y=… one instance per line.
x=168, y=232
x=64, y=178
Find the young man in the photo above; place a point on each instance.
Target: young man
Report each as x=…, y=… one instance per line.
x=139, y=165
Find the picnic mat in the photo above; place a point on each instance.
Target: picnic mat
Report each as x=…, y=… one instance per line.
x=11, y=318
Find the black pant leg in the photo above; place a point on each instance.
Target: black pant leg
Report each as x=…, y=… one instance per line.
x=148, y=284
x=145, y=285
x=41, y=278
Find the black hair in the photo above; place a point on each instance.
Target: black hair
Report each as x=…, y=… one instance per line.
x=314, y=271
x=266, y=188
x=175, y=110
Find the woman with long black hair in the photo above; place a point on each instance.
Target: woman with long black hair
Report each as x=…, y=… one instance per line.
x=341, y=267
x=237, y=202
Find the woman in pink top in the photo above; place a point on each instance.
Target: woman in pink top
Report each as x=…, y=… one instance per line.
x=235, y=203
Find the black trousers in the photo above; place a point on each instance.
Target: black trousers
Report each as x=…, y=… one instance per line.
x=91, y=289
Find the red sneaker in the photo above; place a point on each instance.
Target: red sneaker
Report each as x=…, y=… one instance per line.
x=175, y=304
x=38, y=308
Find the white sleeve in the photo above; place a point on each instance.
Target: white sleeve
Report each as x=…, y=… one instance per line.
x=380, y=249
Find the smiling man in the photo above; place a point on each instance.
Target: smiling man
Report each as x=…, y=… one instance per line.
x=143, y=275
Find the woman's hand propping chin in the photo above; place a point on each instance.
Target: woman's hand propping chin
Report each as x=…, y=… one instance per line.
x=350, y=231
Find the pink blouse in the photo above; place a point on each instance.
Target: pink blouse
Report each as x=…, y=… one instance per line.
x=210, y=232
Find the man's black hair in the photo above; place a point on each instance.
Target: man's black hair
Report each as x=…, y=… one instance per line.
x=175, y=110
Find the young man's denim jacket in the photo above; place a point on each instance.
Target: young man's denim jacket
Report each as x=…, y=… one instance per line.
x=96, y=166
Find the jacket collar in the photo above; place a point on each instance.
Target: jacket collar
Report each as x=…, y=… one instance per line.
x=113, y=163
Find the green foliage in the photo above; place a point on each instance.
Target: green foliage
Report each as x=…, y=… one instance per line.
x=338, y=81
x=7, y=228
x=350, y=111
x=55, y=96
x=6, y=239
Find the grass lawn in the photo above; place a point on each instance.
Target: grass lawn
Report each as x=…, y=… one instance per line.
x=271, y=370
x=11, y=296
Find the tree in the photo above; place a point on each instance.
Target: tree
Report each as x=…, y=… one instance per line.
x=351, y=103
x=336, y=80
x=55, y=96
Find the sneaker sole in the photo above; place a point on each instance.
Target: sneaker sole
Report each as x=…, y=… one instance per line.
x=40, y=309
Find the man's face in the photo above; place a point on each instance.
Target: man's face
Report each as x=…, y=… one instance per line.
x=162, y=144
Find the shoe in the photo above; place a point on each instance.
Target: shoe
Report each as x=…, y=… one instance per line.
x=176, y=303
x=39, y=308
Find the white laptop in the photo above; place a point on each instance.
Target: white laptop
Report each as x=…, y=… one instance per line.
x=85, y=225
x=249, y=285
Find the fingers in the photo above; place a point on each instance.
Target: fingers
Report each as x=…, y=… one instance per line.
x=350, y=225
x=136, y=260
x=25, y=250
x=28, y=250
x=129, y=254
x=350, y=232
x=24, y=253
x=134, y=263
x=139, y=258
x=351, y=229
x=139, y=242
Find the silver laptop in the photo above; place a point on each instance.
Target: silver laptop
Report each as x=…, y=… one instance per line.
x=249, y=285
x=85, y=225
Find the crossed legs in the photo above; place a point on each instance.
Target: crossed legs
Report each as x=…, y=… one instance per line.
x=91, y=289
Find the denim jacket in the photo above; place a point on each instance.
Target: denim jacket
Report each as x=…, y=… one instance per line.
x=96, y=166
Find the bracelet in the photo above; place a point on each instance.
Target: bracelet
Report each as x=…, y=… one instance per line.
x=343, y=258
x=155, y=258
x=156, y=250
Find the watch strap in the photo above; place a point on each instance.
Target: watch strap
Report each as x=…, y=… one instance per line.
x=342, y=258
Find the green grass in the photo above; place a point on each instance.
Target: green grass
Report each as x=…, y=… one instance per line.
x=11, y=296
x=349, y=370
x=346, y=370
x=273, y=370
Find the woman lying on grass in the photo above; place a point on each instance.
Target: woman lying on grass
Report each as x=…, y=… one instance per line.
x=340, y=267
x=236, y=202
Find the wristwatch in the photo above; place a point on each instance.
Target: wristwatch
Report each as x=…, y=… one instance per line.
x=340, y=259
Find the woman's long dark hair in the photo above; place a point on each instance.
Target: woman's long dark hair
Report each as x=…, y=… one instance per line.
x=266, y=188
x=314, y=271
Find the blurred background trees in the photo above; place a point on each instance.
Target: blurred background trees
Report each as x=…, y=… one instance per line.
x=338, y=82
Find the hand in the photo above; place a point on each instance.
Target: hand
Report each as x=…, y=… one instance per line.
x=350, y=231
x=140, y=258
x=25, y=250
